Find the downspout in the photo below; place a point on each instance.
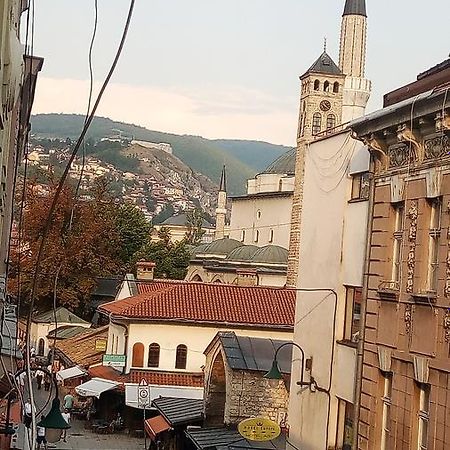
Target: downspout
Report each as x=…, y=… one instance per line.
x=362, y=325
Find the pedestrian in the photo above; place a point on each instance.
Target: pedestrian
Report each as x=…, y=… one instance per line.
x=41, y=436
x=39, y=377
x=68, y=402
x=20, y=379
x=66, y=417
x=27, y=408
x=47, y=381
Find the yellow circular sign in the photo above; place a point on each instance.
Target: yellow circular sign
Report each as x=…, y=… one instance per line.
x=259, y=429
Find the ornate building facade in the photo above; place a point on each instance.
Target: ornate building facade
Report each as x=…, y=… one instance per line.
x=404, y=375
x=331, y=96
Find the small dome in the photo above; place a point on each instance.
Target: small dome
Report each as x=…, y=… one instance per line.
x=285, y=164
x=271, y=254
x=243, y=253
x=199, y=249
x=222, y=246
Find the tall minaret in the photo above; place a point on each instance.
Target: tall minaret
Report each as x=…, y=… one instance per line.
x=352, y=59
x=221, y=211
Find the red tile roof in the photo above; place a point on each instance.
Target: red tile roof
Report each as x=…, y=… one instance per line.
x=208, y=302
x=152, y=377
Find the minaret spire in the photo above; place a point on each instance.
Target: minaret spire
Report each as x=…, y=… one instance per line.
x=352, y=59
x=221, y=211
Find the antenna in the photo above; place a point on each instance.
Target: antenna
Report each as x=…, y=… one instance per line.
x=325, y=44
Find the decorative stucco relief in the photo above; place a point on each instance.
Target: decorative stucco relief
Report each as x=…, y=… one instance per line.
x=447, y=268
x=408, y=318
x=412, y=214
x=447, y=325
x=437, y=147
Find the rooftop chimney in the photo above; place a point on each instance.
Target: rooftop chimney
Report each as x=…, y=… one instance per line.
x=145, y=270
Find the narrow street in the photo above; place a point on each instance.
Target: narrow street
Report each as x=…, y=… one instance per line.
x=80, y=439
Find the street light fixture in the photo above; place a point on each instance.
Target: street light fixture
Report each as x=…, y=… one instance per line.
x=275, y=374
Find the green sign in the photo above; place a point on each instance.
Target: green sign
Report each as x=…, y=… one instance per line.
x=114, y=360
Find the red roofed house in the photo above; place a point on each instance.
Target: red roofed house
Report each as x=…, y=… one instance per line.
x=164, y=329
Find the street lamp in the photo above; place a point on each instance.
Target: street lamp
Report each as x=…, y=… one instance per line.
x=275, y=374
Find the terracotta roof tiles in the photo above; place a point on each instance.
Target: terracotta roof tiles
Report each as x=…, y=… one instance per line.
x=208, y=302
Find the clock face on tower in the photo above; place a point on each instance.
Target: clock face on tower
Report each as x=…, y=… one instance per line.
x=325, y=105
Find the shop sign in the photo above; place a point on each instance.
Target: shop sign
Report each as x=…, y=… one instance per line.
x=259, y=429
x=100, y=345
x=114, y=360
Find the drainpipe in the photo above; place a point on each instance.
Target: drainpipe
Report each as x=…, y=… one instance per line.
x=362, y=325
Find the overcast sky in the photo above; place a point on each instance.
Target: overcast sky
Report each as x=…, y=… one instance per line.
x=222, y=68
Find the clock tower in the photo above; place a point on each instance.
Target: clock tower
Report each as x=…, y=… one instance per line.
x=321, y=99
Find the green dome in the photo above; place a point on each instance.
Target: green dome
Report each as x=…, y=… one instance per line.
x=222, y=246
x=285, y=164
x=243, y=253
x=199, y=249
x=271, y=254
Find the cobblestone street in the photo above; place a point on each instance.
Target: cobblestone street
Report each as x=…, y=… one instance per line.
x=80, y=439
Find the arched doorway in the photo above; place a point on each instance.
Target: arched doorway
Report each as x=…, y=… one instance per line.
x=216, y=394
x=41, y=347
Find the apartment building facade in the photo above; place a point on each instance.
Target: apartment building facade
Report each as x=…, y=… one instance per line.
x=405, y=374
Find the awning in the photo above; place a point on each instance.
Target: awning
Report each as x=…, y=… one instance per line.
x=71, y=372
x=95, y=387
x=161, y=391
x=155, y=426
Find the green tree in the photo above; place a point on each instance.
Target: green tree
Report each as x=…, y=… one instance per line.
x=171, y=259
x=133, y=231
x=195, y=231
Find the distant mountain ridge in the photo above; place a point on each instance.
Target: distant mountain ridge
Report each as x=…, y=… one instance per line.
x=243, y=158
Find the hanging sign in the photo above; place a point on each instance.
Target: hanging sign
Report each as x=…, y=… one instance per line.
x=259, y=429
x=114, y=360
x=100, y=345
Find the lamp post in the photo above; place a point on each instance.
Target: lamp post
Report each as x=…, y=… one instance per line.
x=54, y=419
x=275, y=374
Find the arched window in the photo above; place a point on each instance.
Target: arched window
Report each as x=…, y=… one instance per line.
x=137, y=359
x=197, y=277
x=181, y=358
x=336, y=87
x=326, y=86
x=280, y=185
x=242, y=235
x=331, y=121
x=271, y=236
x=316, y=85
x=153, y=355
x=41, y=346
x=256, y=236
x=317, y=123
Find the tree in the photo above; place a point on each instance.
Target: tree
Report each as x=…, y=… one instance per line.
x=171, y=259
x=195, y=226
x=133, y=230
x=82, y=244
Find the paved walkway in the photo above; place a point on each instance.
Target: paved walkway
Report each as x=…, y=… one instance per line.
x=80, y=439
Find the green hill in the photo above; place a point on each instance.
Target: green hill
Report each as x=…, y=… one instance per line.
x=242, y=158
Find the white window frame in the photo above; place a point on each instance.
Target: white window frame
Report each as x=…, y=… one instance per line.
x=386, y=414
x=399, y=212
x=433, y=245
x=424, y=417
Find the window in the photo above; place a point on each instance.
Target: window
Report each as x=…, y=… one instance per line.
x=433, y=245
x=360, y=186
x=242, y=235
x=280, y=185
x=346, y=412
x=386, y=400
x=326, y=86
x=138, y=355
x=181, y=358
x=353, y=313
x=271, y=236
x=256, y=236
x=153, y=355
x=317, y=123
x=258, y=214
x=423, y=416
x=399, y=209
x=316, y=85
x=331, y=121
x=336, y=87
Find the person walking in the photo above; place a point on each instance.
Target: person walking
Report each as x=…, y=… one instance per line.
x=68, y=402
x=47, y=381
x=39, y=377
x=66, y=417
x=40, y=438
x=27, y=413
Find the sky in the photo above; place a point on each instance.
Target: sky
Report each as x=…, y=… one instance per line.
x=222, y=69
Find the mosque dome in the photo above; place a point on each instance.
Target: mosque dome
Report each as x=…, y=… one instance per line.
x=271, y=254
x=243, y=253
x=285, y=164
x=222, y=246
